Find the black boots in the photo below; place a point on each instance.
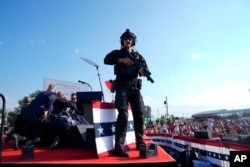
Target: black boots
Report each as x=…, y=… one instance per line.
x=121, y=153
x=55, y=143
x=17, y=139
x=32, y=141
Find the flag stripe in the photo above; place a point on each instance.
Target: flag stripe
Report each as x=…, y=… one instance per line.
x=101, y=115
x=104, y=118
x=104, y=105
x=108, y=129
x=107, y=143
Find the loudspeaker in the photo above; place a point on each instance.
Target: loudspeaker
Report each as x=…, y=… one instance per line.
x=77, y=135
x=206, y=134
x=237, y=138
x=148, y=150
x=27, y=151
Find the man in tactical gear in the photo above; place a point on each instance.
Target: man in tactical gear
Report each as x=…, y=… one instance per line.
x=127, y=90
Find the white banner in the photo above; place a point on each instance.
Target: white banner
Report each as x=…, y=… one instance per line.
x=67, y=87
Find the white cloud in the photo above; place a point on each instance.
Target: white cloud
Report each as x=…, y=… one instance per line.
x=41, y=41
x=77, y=50
x=193, y=101
x=189, y=89
x=196, y=56
x=75, y=53
x=223, y=97
x=37, y=41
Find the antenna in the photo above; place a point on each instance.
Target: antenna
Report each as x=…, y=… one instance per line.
x=90, y=62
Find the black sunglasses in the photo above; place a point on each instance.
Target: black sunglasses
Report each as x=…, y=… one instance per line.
x=128, y=38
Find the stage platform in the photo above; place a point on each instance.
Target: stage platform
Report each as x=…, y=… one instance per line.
x=64, y=156
x=102, y=116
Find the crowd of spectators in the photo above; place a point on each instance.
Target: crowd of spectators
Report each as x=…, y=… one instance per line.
x=219, y=128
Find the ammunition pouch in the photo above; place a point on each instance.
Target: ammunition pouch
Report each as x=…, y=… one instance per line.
x=131, y=84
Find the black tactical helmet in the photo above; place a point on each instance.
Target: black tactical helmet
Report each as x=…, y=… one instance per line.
x=128, y=34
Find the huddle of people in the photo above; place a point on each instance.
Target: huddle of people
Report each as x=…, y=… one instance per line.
x=45, y=120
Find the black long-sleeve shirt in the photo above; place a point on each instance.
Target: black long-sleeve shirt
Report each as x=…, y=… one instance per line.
x=123, y=71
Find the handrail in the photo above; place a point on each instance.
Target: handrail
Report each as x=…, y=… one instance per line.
x=2, y=124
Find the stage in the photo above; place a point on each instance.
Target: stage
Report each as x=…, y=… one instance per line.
x=102, y=118
x=65, y=156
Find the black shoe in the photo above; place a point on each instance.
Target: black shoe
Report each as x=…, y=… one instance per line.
x=36, y=140
x=22, y=138
x=28, y=143
x=33, y=141
x=55, y=143
x=121, y=153
x=15, y=141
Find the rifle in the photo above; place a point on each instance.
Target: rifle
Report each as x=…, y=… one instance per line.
x=147, y=73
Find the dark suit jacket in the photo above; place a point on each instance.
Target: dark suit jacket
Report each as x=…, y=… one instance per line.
x=43, y=102
x=60, y=104
x=32, y=115
x=182, y=159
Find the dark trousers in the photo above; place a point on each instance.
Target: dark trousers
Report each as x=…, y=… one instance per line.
x=36, y=129
x=124, y=97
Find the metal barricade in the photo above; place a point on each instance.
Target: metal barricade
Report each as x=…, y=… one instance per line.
x=2, y=125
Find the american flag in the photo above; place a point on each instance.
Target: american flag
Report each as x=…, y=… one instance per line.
x=104, y=118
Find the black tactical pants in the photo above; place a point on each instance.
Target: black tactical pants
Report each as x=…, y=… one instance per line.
x=124, y=97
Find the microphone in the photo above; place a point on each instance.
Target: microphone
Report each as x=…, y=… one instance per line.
x=82, y=82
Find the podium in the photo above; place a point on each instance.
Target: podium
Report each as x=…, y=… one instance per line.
x=84, y=103
x=89, y=96
x=84, y=135
x=102, y=116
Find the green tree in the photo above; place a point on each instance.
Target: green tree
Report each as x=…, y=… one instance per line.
x=147, y=114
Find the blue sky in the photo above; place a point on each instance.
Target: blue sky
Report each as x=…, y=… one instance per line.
x=198, y=51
